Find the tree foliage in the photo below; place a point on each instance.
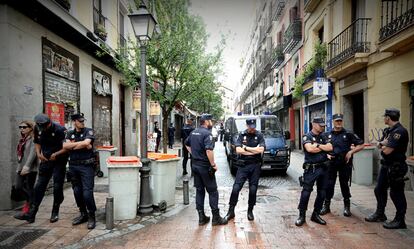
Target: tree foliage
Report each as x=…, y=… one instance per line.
x=178, y=62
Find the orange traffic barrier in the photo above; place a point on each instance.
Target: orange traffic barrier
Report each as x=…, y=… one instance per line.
x=160, y=156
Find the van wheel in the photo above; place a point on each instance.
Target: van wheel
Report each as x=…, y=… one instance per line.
x=233, y=169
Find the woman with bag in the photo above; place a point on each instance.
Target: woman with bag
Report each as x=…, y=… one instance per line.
x=27, y=165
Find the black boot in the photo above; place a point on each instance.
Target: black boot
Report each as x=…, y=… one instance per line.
x=396, y=223
x=202, y=218
x=185, y=172
x=316, y=218
x=55, y=213
x=82, y=218
x=31, y=215
x=230, y=214
x=326, y=208
x=378, y=216
x=217, y=219
x=347, y=208
x=301, y=219
x=91, y=221
x=250, y=215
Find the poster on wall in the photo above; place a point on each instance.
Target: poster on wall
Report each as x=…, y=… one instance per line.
x=56, y=112
x=136, y=100
x=155, y=108
x=57, y=63
x=101, y=82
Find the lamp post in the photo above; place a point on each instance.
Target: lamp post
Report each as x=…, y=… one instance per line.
x=143, y=24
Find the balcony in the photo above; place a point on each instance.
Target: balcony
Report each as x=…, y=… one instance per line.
x=278, y=56
x=278, y=10
x=352, y=43
x=310, y=5
x=292, y=36
x=397, y=18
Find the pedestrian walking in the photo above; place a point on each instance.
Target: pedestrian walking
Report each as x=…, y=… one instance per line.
x=158, y=139
x=341, y=163
x=171, y=134
x=201, y=145
x=48, y=139
x=250, y=146
x=393, y=146
x=185, y=132
x=316, y=147
x=221, y=131
x=26, y=170
x=79, y=143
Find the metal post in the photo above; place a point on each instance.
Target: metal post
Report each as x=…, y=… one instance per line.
x=145, y=202
x=109, y=211
x=185, y=192
x=145, y=198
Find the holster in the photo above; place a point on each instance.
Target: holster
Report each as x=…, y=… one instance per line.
x=211, y=171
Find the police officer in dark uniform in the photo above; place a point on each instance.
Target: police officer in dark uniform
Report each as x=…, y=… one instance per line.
x=79, y=142
x=185, y=132
x=201, y=145
x=316, y=147
x=341, y=162
x=393, y=146
x=250, y=146
x=48, y=139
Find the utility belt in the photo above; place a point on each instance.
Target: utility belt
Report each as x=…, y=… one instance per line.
x=200, y=162
x=82, y=162
x=316, y=165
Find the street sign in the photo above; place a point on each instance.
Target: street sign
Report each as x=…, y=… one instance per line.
x=321, y=86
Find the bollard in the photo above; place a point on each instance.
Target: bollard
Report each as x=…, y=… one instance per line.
x=145, y=198
x=109, y=211
x=179, y=153
x=185, y=192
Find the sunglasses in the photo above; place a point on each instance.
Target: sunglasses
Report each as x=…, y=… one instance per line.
x=23, y=127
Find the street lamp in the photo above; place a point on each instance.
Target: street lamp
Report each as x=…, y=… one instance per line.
x=143, y=24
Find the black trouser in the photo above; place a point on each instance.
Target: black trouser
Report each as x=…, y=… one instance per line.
x=344, y=171
x=221, y=136
x=26, y=184
x=185, y=157
x=82, y=178
x=48, y=169
x=202, y=182
x=157, y=143
x=251, y=172
x=310, y=176
x=396, y=190
x=171, y=141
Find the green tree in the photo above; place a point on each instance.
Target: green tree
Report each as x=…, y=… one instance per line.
x=177, y=61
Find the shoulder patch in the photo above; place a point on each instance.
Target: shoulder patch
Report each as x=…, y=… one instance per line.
x=396, y=136
x=304, y=138
x=90, y=132
x=211, y=137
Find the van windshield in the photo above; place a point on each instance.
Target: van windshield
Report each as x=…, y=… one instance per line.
x=270, y=127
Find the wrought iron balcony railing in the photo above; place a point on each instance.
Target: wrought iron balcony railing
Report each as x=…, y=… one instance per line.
x=352, y=40
x=396, y=16
x=292, y=36
x=278, y=9
x=278, y=56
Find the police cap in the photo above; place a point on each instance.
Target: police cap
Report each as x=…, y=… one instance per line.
x=392, y=112
x=318, y=120
x=77, y=116
x=251, y=123
x=41, y=119
x=338, y=116
x=205, y=116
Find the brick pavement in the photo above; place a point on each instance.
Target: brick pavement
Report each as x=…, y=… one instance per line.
x=273, y=227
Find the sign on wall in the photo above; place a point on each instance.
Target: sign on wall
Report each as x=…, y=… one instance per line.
x=155, y=108
x=136, y=100
x=56, y=112
x=321, y=86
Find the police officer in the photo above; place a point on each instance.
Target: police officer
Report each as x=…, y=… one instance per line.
x=201, y=145
x=250, y=146
x=393, y=146
x=341, y=162
x=79, y=142
x=48, y=139
x=316, y=147
x=185, y=132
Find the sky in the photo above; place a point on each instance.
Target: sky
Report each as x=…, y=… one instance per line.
x=233, y=18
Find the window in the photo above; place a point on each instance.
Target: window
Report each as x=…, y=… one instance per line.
x=320, y=34
x=98, y=18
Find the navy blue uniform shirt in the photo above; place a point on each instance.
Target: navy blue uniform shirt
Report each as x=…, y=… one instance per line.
x=50, y=140
x=250, y=140
x=74, y=136
x=186, y=130
x=200, y=140
x=397, y=137
x=314, y=157
x=342, y=141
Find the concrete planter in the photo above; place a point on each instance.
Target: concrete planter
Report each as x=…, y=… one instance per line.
x=104, y=154
x=162, y=181
x=363, y=163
